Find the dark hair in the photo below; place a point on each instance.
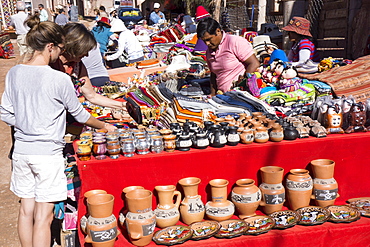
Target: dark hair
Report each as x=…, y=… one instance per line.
x=61, y=11
x=101, y=24
x=43, y=33
x=78, y=41
x=102, y=8
x=41, y=5
x=207, y=25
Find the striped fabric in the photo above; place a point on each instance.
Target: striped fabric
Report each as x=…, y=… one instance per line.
x=305, y=44
x=352, y=79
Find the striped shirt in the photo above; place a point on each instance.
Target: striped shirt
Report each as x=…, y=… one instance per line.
x=305, y=44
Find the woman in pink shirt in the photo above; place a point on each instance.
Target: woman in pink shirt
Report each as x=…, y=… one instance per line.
x=228, y=56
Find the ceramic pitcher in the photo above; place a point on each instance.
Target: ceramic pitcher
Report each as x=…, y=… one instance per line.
x=219, y=208
x=246, y=197
x=192, y=208
x=299, y=187
x=273, y=191
x=167, y=212
x=325, y=187
x=140, y=219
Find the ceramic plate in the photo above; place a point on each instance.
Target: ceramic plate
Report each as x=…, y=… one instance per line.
x=259, y=224
x=204, y=229
x=285, y=219
x=173, y=235
x=362, y=204
x=343, y=214
x=232, y=228
x=313, y=215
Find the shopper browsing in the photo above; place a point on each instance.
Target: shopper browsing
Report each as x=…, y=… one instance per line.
x=17, y=22
x=35, y=102
x=228, y=56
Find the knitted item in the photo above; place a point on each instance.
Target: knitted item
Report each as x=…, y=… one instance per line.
x=201, y=13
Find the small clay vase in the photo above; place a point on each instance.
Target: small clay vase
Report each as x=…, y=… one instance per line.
x=247, y=136
x=101, y=232
x=94, y=192
x=100, y=205
x=201, y=140
x=290, y=133
x=261, y=135
x=169, y=143
x=325, y=187
x=83, y=150
x=192, y=208
x=246, y=197
x=233, y=137
x=184, y=142
x=219, y=208
x=167, y=212
x=276, y=133
x=299, y=188
x=217, y=138
x=99, y=148
x=273, y=191
x=140, y=219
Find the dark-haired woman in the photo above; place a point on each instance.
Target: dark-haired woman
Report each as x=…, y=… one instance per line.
x=35, y=102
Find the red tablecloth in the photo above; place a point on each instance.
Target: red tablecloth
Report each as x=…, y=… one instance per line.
x=349, y=151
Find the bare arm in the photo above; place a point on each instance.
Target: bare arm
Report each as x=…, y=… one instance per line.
x=252, y=64
x=97, y=124
x=213, y=84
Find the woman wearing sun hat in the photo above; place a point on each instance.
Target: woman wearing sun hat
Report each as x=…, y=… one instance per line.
x=102, y=33
x=303, y=48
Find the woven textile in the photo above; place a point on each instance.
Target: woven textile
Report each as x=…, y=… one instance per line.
x=352, y=79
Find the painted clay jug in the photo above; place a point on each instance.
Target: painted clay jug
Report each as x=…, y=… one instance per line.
x=100, y=205
x=246, y=197
x=273, y=191
x=169, y=143
x=219, y=208
x=140, y=219
x=192, y=208
x=233, y=137
x=167, y=212
x=276, y=133
x=299, y=188
x=247, y=136
x=261, y=135
x=325, y=187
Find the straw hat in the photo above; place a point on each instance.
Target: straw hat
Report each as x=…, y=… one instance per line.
x=201, y=13
x=299, y=25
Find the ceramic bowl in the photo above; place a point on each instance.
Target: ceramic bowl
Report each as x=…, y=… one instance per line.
x=232, y=228
x=343, y=214
x=172, y=235
x=204, y=229
x=313, y=215
x=285, y=219
x=362, y=204
x=259, y=224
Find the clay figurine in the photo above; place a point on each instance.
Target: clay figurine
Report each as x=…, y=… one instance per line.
x=357, y=118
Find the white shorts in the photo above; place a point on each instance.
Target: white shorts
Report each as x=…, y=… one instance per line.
x=39, y=176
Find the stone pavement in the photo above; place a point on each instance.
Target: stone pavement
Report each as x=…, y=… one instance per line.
x=8, y=201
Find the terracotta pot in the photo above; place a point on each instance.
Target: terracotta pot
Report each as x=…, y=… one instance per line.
x=140, y=220
x=247, y=136
x=192, y=208
x=325, y=187
x=276, y=133
x=94, y=192
x=100, y=205
x=130, y=188
x=261, y=135
x=299, y=188
x=219, y=208
x=246, y=197
x=169, y=143
x=167, y=212
x=273, y=191
x=101, y=232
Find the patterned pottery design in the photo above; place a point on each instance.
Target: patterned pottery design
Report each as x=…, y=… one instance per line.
x=362, y=204
x=204, y=229
x=173, y=235
x=259, y=224
x=313, y=215
x=232, y=228
x=285, y=219
x=343, y=214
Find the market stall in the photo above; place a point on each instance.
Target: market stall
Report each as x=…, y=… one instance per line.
x=243, y=161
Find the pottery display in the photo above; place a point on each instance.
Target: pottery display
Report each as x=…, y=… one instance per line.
x=204, y=229
x=343, y=214
x=276, y=133
x=192, y=208
x=140, y=219
x=231, y=228
x=128, y=147
x=167, y=212
x=142, y=145
x=325, y=187
x=285, y=219
x=299, y=188
x=246, y=197
x=201, y=140
x=261, y=135
x=113, y=149
x=100, y=205
x=273, y=191
x=172, y=235
x=290, y=133
x=219, y=208
x=362, y=204
x=99, y=148
x=233, y=137
x=184, y=142
x=94, y=192
x=247, y=136
x=259, y=224
x=157, y=144
x=101, y=231
x=313, y=215
x=83, y=150
x=217, y=138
